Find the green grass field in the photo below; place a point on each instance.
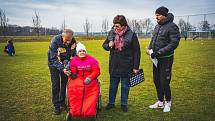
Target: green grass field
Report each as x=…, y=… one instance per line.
x=25, y=86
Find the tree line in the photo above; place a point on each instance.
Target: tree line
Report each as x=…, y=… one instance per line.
x=143, y=27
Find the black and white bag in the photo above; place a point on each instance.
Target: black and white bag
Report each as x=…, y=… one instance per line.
x=135, y=79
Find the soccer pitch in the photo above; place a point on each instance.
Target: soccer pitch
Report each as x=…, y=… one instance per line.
x=25, y=86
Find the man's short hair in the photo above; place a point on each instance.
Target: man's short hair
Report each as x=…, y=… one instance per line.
x=67, y=31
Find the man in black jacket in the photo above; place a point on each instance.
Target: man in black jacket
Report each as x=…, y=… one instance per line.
x=165, y=40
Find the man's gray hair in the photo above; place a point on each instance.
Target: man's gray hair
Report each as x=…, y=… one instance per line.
x=67, y=31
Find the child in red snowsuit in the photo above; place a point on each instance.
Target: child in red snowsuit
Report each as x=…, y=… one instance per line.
x=83, y=91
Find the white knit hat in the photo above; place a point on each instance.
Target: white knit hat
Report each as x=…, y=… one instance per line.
x=79, y=47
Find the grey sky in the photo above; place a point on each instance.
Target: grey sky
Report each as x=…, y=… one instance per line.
x=53, y=12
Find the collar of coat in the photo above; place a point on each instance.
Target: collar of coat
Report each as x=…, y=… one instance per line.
x=169, y=18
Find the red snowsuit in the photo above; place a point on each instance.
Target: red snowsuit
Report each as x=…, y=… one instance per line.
x=83, y=98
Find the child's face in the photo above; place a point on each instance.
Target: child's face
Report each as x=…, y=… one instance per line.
x=82, y=53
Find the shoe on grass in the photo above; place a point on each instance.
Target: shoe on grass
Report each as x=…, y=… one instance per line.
x=110, y=106
x=167, y=106
x=158, y=104
x=56, y=112
x=124, y=108
x=64, y=107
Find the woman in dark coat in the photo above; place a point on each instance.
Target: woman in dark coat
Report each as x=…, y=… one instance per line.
x=124, y=58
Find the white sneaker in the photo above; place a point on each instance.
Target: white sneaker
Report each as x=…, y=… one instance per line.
x=158, y=104
x=167, y=106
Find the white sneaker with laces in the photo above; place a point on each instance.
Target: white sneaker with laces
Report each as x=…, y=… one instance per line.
x=158, y=104
x=167, y=106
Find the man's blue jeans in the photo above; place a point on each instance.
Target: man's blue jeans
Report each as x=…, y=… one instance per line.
x=114, y=83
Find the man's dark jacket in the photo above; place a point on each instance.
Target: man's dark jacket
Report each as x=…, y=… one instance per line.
x=166, y=37
x=56, y=43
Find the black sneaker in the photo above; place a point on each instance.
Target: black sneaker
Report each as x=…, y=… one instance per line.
x=109, y=106
x=56, y=112
x=124, y=108
x=64, y=107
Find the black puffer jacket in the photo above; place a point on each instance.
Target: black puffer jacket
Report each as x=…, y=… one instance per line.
x=121, y=63
x=165, y=38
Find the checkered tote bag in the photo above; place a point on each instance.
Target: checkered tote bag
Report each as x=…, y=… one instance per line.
x=135, y=79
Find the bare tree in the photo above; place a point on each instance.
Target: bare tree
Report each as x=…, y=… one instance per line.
x=148, y=25
x=138, y=28
x=132, y=24
x=87, y=26
x=129, y=23
x=141, y=26
x=135, y=26
x=204, y=25
x=3, y=22
x=36, y=23
x=105, y=26
x=184, y=26
x=63, y=26
x=212, y=27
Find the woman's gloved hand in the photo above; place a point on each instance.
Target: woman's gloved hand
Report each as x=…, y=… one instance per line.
x=73, y=76
x=87, y=80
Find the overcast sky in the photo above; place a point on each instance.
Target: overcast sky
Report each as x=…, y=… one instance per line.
x=53, y=12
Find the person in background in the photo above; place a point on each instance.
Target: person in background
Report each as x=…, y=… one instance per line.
x=9, y=48
x=185, y=35
x=165, y=40
x=124, y=59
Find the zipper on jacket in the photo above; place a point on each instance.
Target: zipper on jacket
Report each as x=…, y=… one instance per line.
x=82, y=100
x=82, y=103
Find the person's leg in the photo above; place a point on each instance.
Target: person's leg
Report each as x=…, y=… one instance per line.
x=124, y=93
x=10, y=52
x=64, y=80
x=157, y=81
x=55, y=79
x=166, y=77
x=159, y=87
x=114, y=82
